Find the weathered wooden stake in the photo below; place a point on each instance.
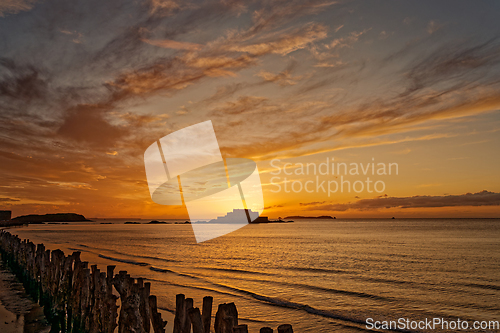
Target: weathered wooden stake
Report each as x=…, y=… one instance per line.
x=226, y=318
x=156, y=320
x=206, y=314
x=144, y=290
x=111, y=308
x=188, y=305
x=285, y=328
x=179, y=313
x=266, y=330
x=196, y=321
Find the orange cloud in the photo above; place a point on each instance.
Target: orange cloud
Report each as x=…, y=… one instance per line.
x=172, y=44
x=294, y=41
x=483, y=198
x=15, y=6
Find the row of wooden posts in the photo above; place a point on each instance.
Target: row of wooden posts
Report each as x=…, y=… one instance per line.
x=79, y=299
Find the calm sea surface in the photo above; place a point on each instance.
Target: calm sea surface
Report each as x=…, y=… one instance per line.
x=318, y=275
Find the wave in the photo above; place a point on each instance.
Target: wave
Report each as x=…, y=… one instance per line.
x=77, y=250
x=150, y=257
x=342, y=292
x=274, y=301
x=127, y=261
x=161, y=270
x=164, y=270
x=192, y=287
x=132, y=262
x=96, y=250
x=305, y=307
x=322, y=289
x=483, y=286
x=235, y=270
x=316, y=270
x=140, y=256
x=136, y=255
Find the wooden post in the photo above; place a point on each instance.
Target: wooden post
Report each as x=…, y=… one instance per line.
x=66, y=291
x=156, y=320
x=94, y=299
x=188, y=305
x=75, y=261
x=111, y=313
x=179, y=313
x=130, y=319
x=195, y=319
x=144, y=290
x=86, y=310
x=103, y=303
x=285, y=328
x=206, y=315
x=226, y=318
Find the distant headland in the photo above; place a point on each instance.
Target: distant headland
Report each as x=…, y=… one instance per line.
x=59, y=217
x=311, y=217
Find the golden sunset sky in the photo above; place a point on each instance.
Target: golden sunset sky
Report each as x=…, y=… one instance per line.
x=86, y=86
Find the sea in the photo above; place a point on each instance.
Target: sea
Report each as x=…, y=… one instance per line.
x=343, y=275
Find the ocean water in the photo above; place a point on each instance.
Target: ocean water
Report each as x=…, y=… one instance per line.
x=318, y=275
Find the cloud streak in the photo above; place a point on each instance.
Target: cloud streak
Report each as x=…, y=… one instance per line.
x=15, y=6
x=172, y=44
x=483, y=198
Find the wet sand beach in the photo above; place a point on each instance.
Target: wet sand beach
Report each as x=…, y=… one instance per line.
x=18, y=313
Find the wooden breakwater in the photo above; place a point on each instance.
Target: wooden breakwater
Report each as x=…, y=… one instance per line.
x=79, y=299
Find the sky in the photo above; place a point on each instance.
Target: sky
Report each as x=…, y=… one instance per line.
x=86, y=86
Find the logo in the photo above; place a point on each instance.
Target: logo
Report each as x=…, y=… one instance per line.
x=187, y=168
